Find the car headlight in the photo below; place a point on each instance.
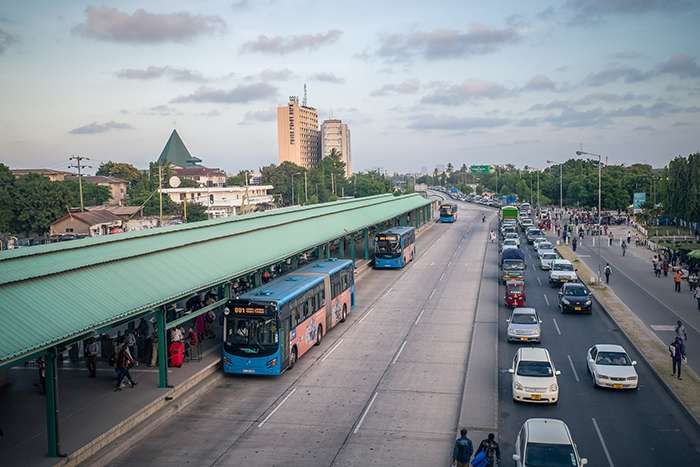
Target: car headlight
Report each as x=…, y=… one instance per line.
x=565, y=301
x=553, y=387
x=603, y=376
x=632, y=378
x=588, y=302
x=518, y=386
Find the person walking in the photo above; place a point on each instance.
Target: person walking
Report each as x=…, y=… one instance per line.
x=91, y=357
x=574, y=242
x=130, y=341
x=677, y=276
x=657, y=269
x=489, y=446
x=677, y=350
x=623, y=244
x=492, y=235
x=680, y=331
x=611, y=237
x=696, y=294
x=462, y=452
x=124, y=362
x=607, y=271
x=629, y=237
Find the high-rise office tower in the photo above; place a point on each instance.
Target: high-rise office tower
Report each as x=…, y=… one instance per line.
x=336, y=135
x=298, y=136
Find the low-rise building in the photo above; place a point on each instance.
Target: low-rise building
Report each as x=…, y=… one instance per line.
x=117, y=186
x=203, y=176
x=53, y=175
x=91, y=223
x=224, y=201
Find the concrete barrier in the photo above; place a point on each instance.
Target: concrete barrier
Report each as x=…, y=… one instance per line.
x=648, y=344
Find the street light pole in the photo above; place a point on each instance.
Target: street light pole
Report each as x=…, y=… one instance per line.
x=600, y=166
x=292, y=203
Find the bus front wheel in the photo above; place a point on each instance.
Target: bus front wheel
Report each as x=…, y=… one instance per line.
x=345, y=313
x=319, y=335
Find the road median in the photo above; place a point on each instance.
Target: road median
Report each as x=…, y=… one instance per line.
x=648, y=344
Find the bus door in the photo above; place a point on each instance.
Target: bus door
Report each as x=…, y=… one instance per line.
x=328, y=301
x=284, y=328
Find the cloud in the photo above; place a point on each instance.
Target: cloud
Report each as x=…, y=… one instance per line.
x=644, y=128
x=615, y=73
x=546, y=14
x=606, y=97
x=410, y=86
x=325, y=77
x=284, y=74
x=682, y=66
x=448, y=122
x=446, y=43
x=94, y=128
x=281, y=45
x=683, y=124
x=625, y=55
x=540, y=83
x=240, y=94
x=142, y=27
x=572, y=118
x=655, y=110
x=245, y=5
x=254, y=116
x=162, y=110
x=211, y=113
x=586, y=12
x=154, y=72
x=469, y=90
x=6, y=40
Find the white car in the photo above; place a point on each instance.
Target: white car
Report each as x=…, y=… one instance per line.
x=545, y=258
x=562, y=271
x=513, y=236
x=537, y=240
x=509, y=243
x=543, y=244
x=611, y=367
x=524, y=325
x=534, y=376
x=546, y=441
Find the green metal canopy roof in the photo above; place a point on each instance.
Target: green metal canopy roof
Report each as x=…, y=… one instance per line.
x=53, y=293
x=176, y=153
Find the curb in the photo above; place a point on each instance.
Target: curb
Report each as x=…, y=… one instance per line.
x=643, y=348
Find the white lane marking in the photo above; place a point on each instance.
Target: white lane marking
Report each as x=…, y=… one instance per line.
x=584, y=256
x=546, y=299
x=399, y=352
x=602, y=443
x=389, y=291
x=432, y=293
x=442, y=276
x=332, y=350
x=556, y=326
x=573, y=368
x=432, y=264
x=260, y=425
x=420, y=315
x=449, y=263
x=362, y=419
x=366, y=315
x=539, y=281
x=663, y=327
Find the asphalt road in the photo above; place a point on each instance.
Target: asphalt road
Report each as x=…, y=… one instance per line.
x=611, y=428
x=384, y=388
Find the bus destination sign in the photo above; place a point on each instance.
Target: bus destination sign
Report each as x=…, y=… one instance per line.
x=249, y=310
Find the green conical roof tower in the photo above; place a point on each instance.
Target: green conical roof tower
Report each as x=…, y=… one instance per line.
x=176, y=153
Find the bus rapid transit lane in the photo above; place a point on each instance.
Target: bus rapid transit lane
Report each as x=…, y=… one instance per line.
x=226, y=416
x=644, y=427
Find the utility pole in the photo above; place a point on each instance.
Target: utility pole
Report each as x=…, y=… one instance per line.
x=333, y=182
x=538, y=189
x=78, y=165
x=160, y=194
x=306, y=189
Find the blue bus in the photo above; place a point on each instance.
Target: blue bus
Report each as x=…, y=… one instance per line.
x=448, y=213
x=394, y=248
x=267, y=329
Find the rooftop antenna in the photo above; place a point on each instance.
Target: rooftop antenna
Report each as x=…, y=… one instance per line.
x=304, y=101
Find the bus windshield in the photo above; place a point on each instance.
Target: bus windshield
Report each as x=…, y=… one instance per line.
x=253, y=336
x=388, y=245
x=513, y=264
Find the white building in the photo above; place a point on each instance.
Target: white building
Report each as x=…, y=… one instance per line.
x=336, y=135
x=224, y=201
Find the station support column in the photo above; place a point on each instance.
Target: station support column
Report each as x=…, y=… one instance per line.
x=162, y=348
x=341, y=247
x=51, y=381
x=295, y=261
x=366, y=244
x=352, y=248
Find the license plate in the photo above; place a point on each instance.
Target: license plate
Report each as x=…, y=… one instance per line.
x=535, y=397
x=523, y=338
x=617, y=386
x=578, y=308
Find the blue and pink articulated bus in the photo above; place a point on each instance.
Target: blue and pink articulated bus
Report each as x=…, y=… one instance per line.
x=267, y=329
x=394, y=248
x=448, y=212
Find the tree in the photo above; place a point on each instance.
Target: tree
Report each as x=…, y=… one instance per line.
x=196, y=212
x=120, y=170
x=93, y=194
x=7, y=199
x=280, y=177
x=239, y=179
x=38, y=202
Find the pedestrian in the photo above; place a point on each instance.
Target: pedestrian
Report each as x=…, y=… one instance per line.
x=677, y=276
x=657, y=270
x=574, y=242
x=677, y=350
x=623, y=244
x=697, y=296
x=489, y=446
x=41, y=365
x=91, y=357
x=629, y=237
x=492, y=236
x=200, y=326
x=664, y=268
x=607, y=272
x=680, y=331
x=130, y=341
x=611, y=237
x=177, y=335
x=693, y=280
x=154, y=348
x=209, y=324
x=462, y=453
x=124, y=362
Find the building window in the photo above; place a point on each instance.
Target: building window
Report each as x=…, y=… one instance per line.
x=69, y=229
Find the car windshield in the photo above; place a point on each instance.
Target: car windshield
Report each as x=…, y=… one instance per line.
x=544, y=246
x=523, y=318
x=246, y=335
x=511, y=235
x=535, y=369
x=549, y=256
x=575, y=291
x=613, y=358
x=515, y=288
x=549, y=455
x=535, y=233
x=562, y=267
x=509, y=241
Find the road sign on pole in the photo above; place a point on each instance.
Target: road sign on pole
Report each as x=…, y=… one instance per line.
x=480, y=169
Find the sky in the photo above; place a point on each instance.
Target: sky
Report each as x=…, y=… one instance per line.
x=419, y=83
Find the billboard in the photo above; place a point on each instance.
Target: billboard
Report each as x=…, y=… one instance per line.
x=638, y=199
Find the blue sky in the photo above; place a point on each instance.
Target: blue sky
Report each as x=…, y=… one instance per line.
x=420, y=83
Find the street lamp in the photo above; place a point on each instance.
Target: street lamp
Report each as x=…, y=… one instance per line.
x=600, y=166
x=298, y=173
x=561, y=184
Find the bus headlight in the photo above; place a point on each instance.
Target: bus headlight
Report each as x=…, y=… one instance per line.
x=271, y=363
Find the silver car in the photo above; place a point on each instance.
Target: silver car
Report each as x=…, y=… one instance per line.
x=524, y=326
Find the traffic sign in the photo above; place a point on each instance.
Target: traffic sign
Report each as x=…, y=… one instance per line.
x=480, y=169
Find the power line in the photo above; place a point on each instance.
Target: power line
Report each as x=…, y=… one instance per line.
x=79, y=165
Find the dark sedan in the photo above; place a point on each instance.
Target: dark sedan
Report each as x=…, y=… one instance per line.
x=575, y=297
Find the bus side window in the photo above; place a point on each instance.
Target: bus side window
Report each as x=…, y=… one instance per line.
x=314, y=308
x=295, y=317
x=305, y=308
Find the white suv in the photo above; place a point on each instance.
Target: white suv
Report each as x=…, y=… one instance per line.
x=534, y=376
x=546, y=441
x=562, y=271
x=545, y=258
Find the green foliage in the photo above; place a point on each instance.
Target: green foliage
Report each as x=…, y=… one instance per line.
x=37, y=203
x=188, y=183
x=120, y=170
x=239, y=179
x=196, y=212
x=93, y=194
x=7, y=192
